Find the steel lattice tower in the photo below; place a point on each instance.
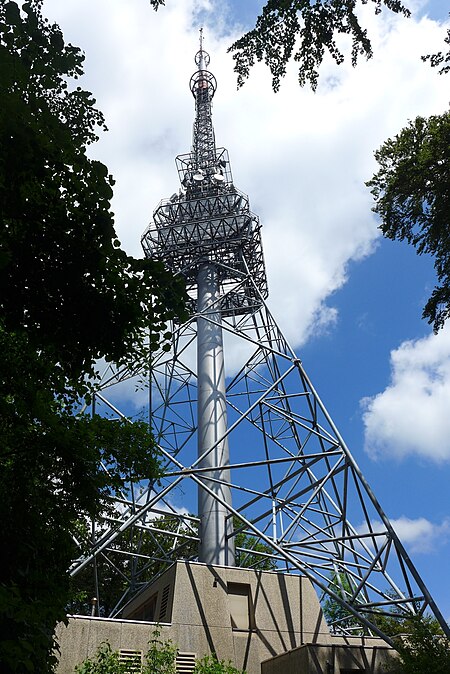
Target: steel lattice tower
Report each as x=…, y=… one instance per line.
x=260, y=449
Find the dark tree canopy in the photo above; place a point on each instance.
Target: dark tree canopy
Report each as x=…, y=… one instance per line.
x=412, y=197
x=304, y=31
x=63, y=276
x=68, y=295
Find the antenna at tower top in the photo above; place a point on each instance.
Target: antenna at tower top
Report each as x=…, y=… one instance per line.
x=202, y=56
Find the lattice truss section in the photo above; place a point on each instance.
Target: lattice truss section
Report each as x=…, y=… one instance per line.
x=296, y=488
x=209, y=220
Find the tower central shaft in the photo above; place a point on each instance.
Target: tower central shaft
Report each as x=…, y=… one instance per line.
x=207, y=233
x=216, y=546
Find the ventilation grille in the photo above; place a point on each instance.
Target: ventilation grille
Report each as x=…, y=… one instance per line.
x=164, y=602
x=132, y=660
x=185, y=663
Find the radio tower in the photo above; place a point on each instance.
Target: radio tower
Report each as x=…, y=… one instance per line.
x=274, y=478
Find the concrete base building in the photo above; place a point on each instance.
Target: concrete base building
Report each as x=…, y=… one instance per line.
x=264, y=622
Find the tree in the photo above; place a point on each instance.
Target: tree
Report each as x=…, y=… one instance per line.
x=161, y=656
x=115, y=573
x=440, y=60
x=412, y=198
x=338, y=618
x=64, y=278
x=248, y=547
x=421, y=647
x=170, y=539
x=419, y=640
x=302, y=30
x=68, y=296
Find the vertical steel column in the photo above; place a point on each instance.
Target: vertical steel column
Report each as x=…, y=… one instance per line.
x=212, y=424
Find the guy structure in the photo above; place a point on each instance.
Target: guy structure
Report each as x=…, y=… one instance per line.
x=277, y=487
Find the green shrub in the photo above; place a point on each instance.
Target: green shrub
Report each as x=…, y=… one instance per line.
x=161, y=656
x=105, y=661
x=211, y=665
x=159, y=659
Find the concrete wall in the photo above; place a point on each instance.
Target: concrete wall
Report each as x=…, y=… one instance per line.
x=82, y=636
x=369, y=656
x=285, y=614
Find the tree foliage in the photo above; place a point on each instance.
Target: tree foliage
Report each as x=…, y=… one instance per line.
x=421, y=647
x=159, y=659
x=161, y=656
x=304, y=31
x=105, y=661
x=63, y=276
x=338, y=618
x=115, y=572
x=419, y=640
x=412, y=198
x=210, y=664
x=168, y=541
x=68, y=295
x=156, y=4
x=248, y=547
x=440, y=59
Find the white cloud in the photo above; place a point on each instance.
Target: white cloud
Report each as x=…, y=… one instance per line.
x=418, y=535
x=302, y=157
x=411, y=416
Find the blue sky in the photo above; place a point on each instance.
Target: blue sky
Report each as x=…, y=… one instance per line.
x=348, y=301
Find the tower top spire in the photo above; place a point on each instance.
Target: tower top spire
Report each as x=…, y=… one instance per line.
x=209, y=220
x=202, y=56
x=202, y=81
x=203, y=86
